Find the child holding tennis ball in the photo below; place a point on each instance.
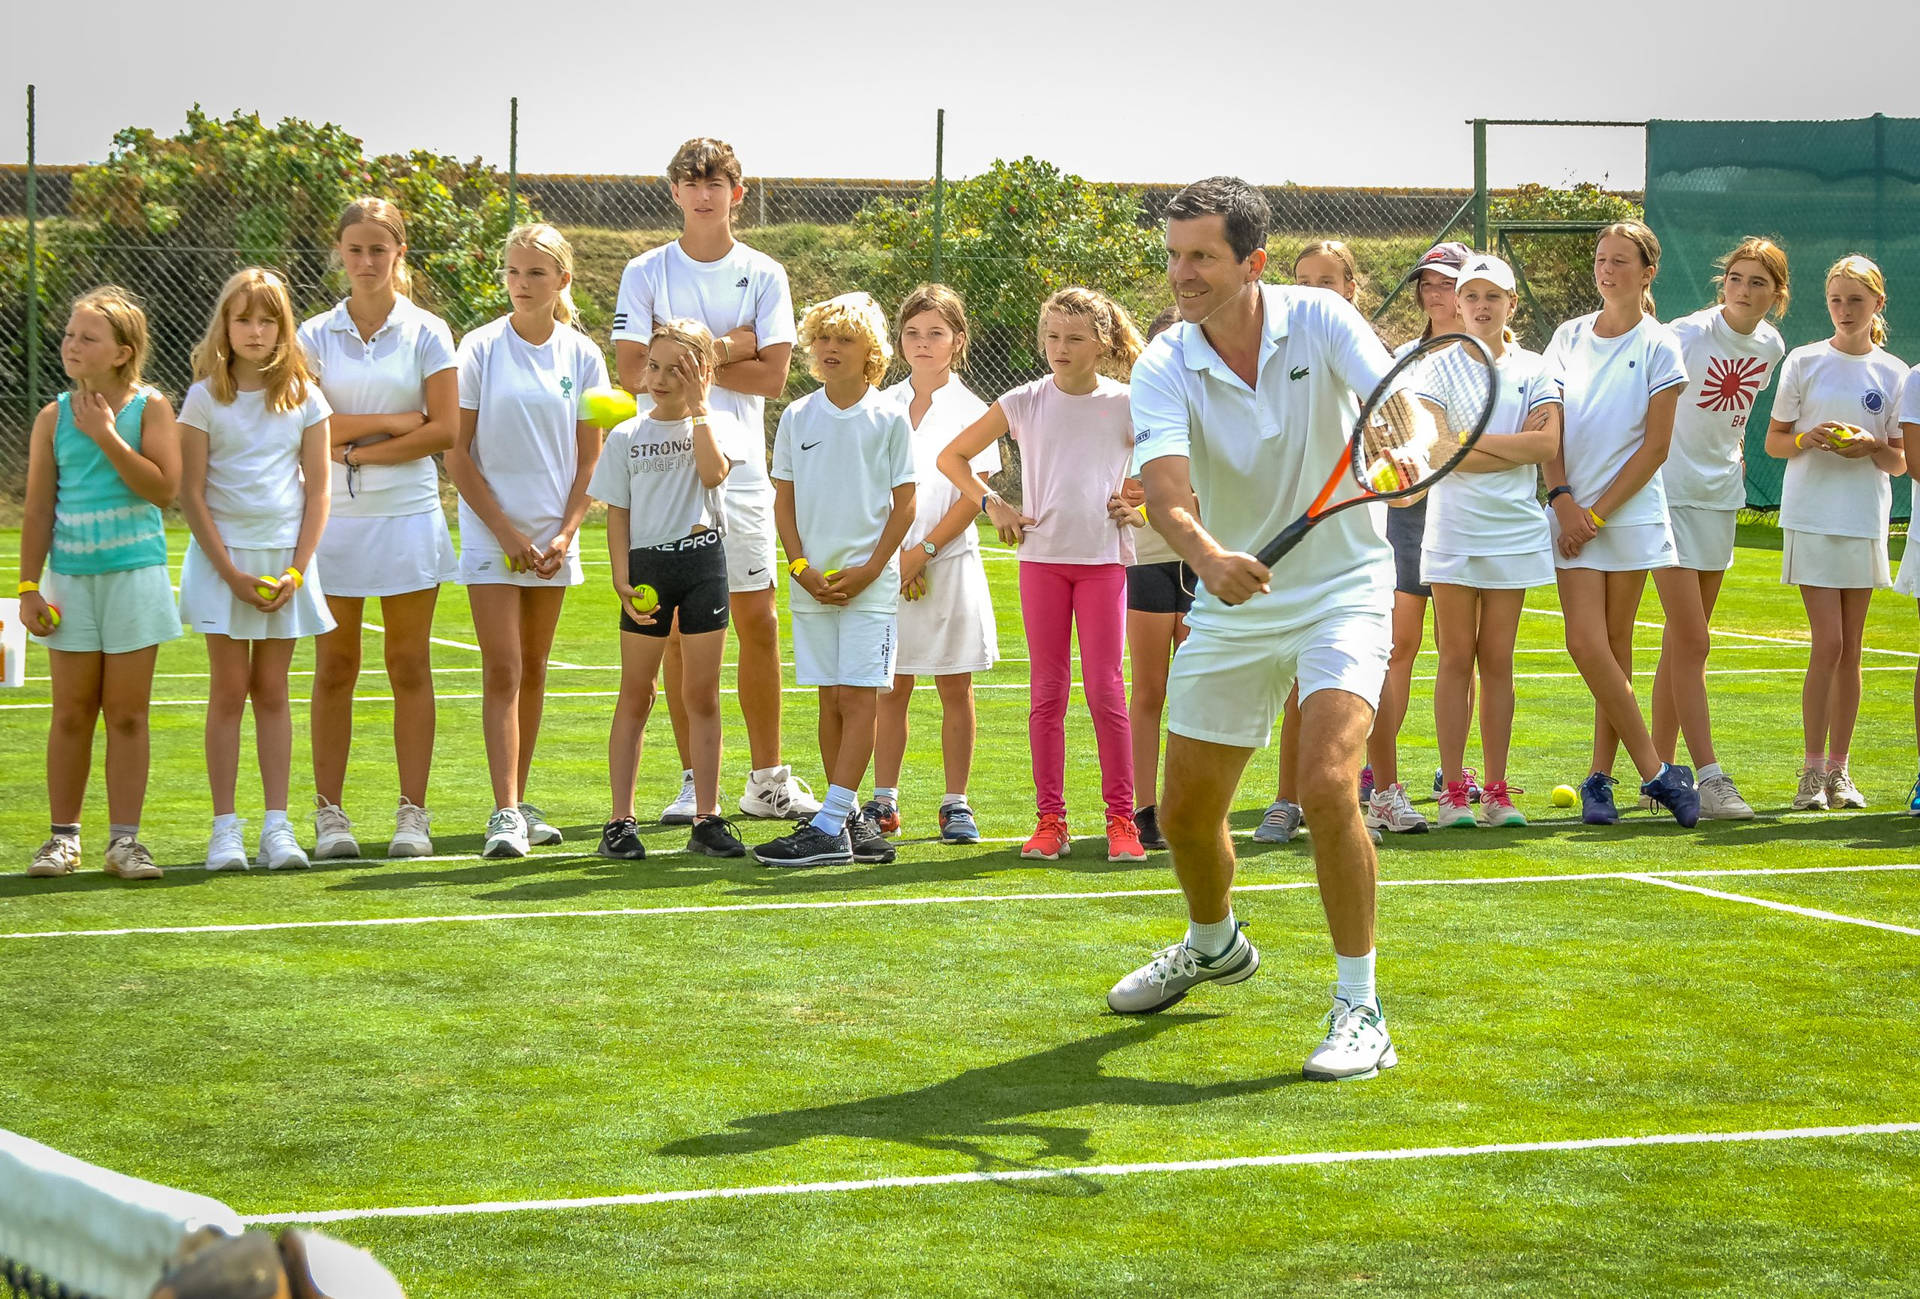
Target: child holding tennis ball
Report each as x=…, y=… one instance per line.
x=103, y=461
x=660, y=475
x=254, y=442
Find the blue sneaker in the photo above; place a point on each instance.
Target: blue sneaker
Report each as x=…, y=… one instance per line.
x=1913, y=798
x=1596, y=800
x=957, y=824
x=1673, y=789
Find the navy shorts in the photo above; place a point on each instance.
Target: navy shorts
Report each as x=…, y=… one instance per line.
x=690, y=577
x=1160, y=588
x=1405, y=530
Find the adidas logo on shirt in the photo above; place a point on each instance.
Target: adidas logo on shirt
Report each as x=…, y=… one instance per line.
x=742, y=284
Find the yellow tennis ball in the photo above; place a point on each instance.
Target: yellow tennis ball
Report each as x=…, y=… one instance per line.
x=645, y=598
x=53, y=612
x=267, y=589
x=1563, y=795
x=1843, y=434
x=608, y=406
x=830, y=574
x=1385, y=477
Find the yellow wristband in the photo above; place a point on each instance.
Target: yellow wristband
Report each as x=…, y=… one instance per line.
x=294, y=573
x=26, y=587
x=1596, y=520
x=799, y=566
x=1800, y=441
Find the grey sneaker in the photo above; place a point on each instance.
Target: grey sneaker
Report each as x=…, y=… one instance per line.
x=1841, y=792
x=538, y=831
x=128, y=858
x=1811, y=796
x=1281, y=822
x=1391, y=810
x=506, y=834
x=332, y=831
x=59, y=855
x=1175, y=971
x=1720, y=801
x=1356, y=1045
x=412, y=831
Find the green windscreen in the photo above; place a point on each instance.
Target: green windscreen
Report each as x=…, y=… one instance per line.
x=1822, y=190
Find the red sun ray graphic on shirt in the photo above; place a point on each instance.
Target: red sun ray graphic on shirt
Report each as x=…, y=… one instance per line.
x=1731, y=384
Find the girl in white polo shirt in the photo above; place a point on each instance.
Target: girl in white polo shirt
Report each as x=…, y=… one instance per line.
x=1620, y=373
x=1836, y=423
x=945, y=618
x=521, y=461
x=1486, y=543
x=253, y=450
x=1731, y=354
x=386, y=368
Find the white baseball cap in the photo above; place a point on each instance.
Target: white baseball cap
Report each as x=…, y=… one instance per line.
x=1485, y=266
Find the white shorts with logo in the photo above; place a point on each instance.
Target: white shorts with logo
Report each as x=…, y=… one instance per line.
x=1227, y=687
x=1703, y=537
x=751, y=543
x=845, y=647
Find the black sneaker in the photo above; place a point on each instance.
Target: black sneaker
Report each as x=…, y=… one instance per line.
x=1673, y=789
x=870, y=846
x=807, y=846
x=1147, y=822
x=714, y=836
x=621, y=839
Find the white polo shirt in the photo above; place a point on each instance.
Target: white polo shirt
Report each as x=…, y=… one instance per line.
x=1258, y=456
x=383, y=375
x=254, y=485
x=1727, y=370
x=1821, y=492
x=844, y=465
x=1606, y=385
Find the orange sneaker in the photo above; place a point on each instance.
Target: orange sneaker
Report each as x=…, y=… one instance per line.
x=1123, y=840
x=1049, y=842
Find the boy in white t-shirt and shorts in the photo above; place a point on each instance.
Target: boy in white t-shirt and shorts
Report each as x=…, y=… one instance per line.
x=844, y=498
x=740, y=294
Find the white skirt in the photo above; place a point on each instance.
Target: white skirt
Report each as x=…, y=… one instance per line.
x=1845, y=563
x=951, y=628
x=397, y=555
x=483, y=563
x=1908, y=583
x=1619, y=548
x=1487, y=572
x=209, y=606
x=1702, y=537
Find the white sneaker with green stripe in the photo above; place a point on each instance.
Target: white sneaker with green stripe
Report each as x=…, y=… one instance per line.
x=1175, y=971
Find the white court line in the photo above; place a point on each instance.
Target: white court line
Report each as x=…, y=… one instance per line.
x=1740, y=635
x=856, y=904
x=1812, y=913
x=460, y=645
x=1301, y=1159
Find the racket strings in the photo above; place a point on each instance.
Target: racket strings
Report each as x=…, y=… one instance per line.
x=1418, y=429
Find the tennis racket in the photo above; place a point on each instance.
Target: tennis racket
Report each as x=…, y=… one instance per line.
x=1418, y=424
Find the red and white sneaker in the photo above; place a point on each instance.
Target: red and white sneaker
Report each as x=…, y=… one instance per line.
x=1456, y=805
x=1496, y=805
x=1123, y=840
x=1050, y=842
x=884, y=815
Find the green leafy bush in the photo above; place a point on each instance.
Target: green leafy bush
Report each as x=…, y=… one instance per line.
x=1557, y=267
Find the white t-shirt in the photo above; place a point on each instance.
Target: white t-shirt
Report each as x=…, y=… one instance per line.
x=1823, y=492
x=746, y=287
x=255, y=490
x=647, y=468
x=954, y=406
x=384, y=375
x=1726, y=371
x=844, y=465
x=1258, y=457
x=1605, y=384
x=529, y=404
x=1075, y=453
x=1495, y=513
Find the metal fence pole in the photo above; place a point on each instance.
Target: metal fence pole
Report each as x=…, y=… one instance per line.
x=513, y=162
x=939, y=191
x=1480, y=184
x=33, y=271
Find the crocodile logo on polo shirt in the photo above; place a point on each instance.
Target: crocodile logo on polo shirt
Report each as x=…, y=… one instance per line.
x=1298, y=372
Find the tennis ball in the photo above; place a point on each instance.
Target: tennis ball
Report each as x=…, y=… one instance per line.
x=1385, y=477
x=830, y=574
x=1563, y=795
x=53, y=612
x=645, y=598
x=608, y=406
x=267, y=588
x=1843, y=434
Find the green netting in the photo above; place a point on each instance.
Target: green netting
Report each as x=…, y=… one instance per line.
x=1823, y=190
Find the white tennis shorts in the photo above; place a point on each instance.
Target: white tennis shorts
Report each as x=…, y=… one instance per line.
x=1227, y=687
x=844, y=647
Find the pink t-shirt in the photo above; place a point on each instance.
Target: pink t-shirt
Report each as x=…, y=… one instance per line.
x=1074, y=454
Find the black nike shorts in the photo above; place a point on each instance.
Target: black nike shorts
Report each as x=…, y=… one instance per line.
x=690, y=577
x=1160, y=588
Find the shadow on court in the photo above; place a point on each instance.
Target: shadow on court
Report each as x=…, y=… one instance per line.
x=993, y=1103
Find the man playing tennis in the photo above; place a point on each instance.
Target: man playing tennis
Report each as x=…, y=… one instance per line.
x=1251, y=398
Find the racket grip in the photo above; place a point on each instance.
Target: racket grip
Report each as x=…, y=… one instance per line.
x=1289, y=537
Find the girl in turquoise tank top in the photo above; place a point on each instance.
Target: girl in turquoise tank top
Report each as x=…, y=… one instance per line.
x=104, y=461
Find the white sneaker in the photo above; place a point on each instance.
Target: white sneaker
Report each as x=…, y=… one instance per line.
x=777, y=794
x=538, y=831
x=1356, y=1045
x=684, y=808
x=1811, y=794
x=332, y=831
x=227, y=849
x=506, y=834
x=279, y=850
x=1841, y=791
x=412, y=831
x=1281, y=822
x=1720, y=801
x=1389, y=809
x=1175, y=971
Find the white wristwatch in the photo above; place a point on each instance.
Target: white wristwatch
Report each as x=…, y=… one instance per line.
x=930, y=548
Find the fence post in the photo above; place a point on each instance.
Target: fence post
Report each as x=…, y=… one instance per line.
x=1480, y=184
x=33, y=272
x=939, y=192
x=513, y=162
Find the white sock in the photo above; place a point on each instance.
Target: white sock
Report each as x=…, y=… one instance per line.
x=1355, y=980
x=226, y=821
x=889, y=794
x=834, y=811
x=275, y=816
x=1706, y=773
x=686, y=775
x=949, y=800
x=1211, y=940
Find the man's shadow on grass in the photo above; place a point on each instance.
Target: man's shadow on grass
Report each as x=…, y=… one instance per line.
x=989, y=1104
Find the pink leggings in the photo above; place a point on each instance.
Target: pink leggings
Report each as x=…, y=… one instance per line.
x=1053, y=597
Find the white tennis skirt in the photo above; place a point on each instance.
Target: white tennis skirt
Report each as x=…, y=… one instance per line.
x=1487, y=572
x=1702, y=538
x=368, y=557
x=209, y=606
x=1620, y=548
x=951, y=628
x=1908, y=582
x=1845, y=563
x=483, y=563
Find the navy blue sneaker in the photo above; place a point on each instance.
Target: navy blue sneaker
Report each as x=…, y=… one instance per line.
x=1673, y=789
x=1596, y=800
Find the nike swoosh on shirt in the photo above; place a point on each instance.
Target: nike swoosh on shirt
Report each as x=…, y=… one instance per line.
x=752, y=571
x=808, y=446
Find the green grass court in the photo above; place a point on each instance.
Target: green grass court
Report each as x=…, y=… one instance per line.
x=689, y=1076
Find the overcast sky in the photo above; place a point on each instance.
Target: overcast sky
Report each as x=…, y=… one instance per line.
x=1321, y=94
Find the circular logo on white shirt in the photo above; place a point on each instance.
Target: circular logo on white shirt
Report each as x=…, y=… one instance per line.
x=1873, y=400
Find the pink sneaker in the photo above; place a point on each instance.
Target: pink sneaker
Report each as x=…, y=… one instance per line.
x=1456, y=805
x=1496, y=805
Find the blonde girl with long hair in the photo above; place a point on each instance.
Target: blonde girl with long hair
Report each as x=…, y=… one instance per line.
x=253, y=442
x=521, y=460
